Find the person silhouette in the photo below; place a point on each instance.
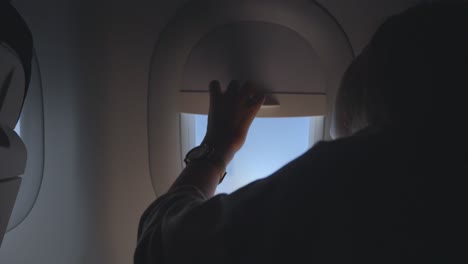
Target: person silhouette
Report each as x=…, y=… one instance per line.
x=387, y=189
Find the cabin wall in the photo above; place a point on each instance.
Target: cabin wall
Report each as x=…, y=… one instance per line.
x=94, y=57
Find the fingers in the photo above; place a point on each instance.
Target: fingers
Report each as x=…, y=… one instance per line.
x=254, y=97
x=233, y=88
x=250, y=93
x=257, y=100
x=253, y=94
x=215, y=92
x=215, y=88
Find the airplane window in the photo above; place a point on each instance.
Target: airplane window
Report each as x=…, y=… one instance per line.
x=270, y=144
x=30, y=128
x=295, y=48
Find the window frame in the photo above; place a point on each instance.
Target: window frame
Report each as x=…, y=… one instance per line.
x=32, y=133
x=177, y=39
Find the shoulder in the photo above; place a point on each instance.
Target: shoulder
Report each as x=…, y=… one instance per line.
x=367, y=143
x=334, y=163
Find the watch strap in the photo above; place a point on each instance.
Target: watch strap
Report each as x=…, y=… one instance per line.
x=207, y=157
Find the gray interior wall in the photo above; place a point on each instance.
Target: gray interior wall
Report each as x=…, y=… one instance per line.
x=94, y=58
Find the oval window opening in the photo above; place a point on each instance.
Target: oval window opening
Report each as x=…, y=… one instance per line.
x=30, y=128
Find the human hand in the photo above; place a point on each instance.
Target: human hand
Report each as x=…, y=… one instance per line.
x=230, y=116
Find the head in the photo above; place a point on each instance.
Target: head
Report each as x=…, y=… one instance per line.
x=414, y=70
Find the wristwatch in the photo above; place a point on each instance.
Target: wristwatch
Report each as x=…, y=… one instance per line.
x=202, y=152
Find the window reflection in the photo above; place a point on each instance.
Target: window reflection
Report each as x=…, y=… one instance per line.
x=18, y=128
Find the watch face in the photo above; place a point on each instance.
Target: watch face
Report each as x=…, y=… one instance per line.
x=198, y=152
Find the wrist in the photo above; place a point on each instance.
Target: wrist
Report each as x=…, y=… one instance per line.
x=212, y=165
x=217, y=168
x=212, y=157
x=222, y=154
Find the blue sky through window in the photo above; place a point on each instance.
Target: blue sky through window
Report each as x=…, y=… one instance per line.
x=18, y=128
x=270, y=144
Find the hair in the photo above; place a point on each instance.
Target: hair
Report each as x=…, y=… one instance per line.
x=413, y=70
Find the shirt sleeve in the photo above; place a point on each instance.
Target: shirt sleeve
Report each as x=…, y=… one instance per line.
x=175, y=223
x=184, y=226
